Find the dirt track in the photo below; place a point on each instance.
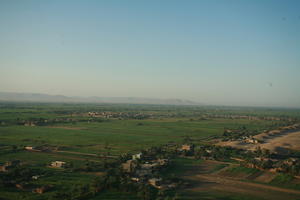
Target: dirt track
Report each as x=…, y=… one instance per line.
x=74, y=157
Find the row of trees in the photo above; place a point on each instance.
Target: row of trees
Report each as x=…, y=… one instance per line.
x=48, y=122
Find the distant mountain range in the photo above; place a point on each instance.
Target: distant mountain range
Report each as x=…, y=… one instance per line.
x=36, y=97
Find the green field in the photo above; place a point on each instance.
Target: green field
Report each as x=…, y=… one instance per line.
x=122, y=135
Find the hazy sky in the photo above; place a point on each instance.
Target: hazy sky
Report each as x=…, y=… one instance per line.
x=229, y=52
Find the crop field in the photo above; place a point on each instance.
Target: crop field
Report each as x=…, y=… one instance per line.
x=114, y=137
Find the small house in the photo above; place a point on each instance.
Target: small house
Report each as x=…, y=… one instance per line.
x=8, y=165
x=58, y=164
x=155, y=182
x=29, y=148
x=29, y=124
x=41, y=190
x=186, y=147
x=251, y=140
x=129, y=166
x=136, y=179
x=137, y=156
x=162, y=162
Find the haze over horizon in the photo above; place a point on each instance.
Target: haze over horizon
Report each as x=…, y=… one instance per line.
x=243, y=53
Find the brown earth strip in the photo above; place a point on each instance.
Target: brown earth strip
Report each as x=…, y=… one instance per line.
x=210, y=182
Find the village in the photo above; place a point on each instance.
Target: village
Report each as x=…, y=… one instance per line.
x=102, y=116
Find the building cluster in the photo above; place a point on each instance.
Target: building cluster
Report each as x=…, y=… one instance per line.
x=248, y=117
x=250, y=140
x=9, y=165
x=58, y=164
x=33, y=189
x=122, y=115
x=145, y=170
x=41, y=189
x=42, y=148
x=44, y=122
x=289, y=165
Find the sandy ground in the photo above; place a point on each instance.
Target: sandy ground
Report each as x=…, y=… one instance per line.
x=273, y=142
x=290, y=140
x=265, y=177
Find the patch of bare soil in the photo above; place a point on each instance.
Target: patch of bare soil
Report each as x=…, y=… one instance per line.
x=208, y=167
x=265, y=177
x=290, y=141
x=94, y=173
x=226, y=173
x=273, y=141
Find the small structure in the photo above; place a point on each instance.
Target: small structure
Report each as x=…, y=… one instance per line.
x=36, y=177
x=155, y=182
x=58, y=164
x=41, y=190
x=208, y=151
x=8, y=165
x=290, y=161
x=29, y=124
x=129, y=166
x=186, y=147
x=20, y=186
x=29, y=148
x=136, y=179
x=3, y=168
x=137, y=156
x=251, y=140
x=162, y=162
x=150, y=166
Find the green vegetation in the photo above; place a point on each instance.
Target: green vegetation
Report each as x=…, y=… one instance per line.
x=285, y=180
x=180, y=166
x=282, y=179
x=218, y=168
x=244, y=170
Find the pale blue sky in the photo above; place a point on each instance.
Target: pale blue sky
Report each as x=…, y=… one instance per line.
x=214, y=52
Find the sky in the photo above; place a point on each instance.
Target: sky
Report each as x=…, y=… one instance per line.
x=216, y=52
